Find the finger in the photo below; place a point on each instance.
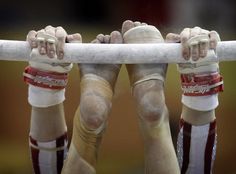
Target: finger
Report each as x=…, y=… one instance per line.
x=51, y=44
x=127, y=25
x=31, y=39
x=107, y=39
x=172, y=38
x=214, y=38
x=116, y=37
x=51, y=49
x=198, y=48
x=61, y=37
x=41, y=43
x=100, y=37
x=195, y=31
x=50, y=30
x=143, y=23
x=203, y=48
x=74, y=38
x=203, y=31
x=184, y=36
x=137, y=23
x=194, y=48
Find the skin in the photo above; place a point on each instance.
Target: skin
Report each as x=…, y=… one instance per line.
x=93, y=111
x=153, y=123
x=195, y=52
x=153, y=115
x=49, y=123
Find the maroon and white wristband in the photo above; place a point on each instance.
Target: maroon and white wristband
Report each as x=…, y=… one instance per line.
x=201, y=84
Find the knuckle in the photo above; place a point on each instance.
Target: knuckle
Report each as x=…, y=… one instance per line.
x=60, y=28
x=213, y=32
x=196, y=27
x=61, y=38
x=32, y=32
x=77, y=36
x=169, y=36
x=49, y=27
x=184, y=39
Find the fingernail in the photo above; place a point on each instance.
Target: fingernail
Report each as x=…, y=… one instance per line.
x=194, y=58
x=61, y=55
x=212, y=45
x=34, y=44
x=202, y=53
x=42, y=50
x=52, y=53
x=185, y=55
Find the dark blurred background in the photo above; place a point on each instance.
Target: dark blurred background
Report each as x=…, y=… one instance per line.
x=122, y=149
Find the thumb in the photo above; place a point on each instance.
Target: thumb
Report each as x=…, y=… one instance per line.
x=172, y=38
x=74, y=38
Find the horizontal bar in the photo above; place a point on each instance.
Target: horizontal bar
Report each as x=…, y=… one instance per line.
x=117, y=53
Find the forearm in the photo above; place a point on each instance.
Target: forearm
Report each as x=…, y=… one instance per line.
x=47, y=79
x=201, y=82
x=47, y=123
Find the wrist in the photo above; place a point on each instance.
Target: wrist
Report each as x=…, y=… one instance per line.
x=200, y=83
x=45, y=88
x=200, y=91
x=43, y=98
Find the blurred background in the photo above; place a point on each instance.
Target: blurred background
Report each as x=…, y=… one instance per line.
x=122, y=149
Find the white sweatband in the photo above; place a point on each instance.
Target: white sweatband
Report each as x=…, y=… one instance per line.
x=42, y=97
x=201, y=103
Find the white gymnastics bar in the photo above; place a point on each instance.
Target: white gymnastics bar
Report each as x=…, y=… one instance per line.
x=11, y=50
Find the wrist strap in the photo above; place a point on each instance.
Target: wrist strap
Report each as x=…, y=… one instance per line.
x=44, y=79
x=201, y=84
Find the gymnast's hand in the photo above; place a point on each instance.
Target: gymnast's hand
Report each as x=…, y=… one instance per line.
x=46, y=74
x=195, y=42
x=200, y=78
x=50, y=41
